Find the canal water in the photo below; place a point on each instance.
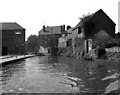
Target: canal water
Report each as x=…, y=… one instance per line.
x=45, y=74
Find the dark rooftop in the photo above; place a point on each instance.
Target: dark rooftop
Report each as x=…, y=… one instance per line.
x=10, y=26
x=89, y=17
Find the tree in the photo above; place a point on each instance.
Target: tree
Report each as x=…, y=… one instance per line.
x=87, y=24
x=32, y=43
x=84, y=17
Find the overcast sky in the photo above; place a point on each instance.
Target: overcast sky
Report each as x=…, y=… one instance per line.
x=32, y=14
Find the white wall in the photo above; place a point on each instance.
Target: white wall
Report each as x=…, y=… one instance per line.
x=62, y=42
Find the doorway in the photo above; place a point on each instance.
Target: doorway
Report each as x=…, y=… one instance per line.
x=4, y=51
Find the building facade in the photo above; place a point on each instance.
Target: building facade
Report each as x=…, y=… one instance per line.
x=13, y=39
x=66, y=39
x=97, y=27
x=48, y=36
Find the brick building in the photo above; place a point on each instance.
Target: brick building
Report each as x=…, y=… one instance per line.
x=97, y=27
x=66, y=39
x=48, y=36
x=13, y=38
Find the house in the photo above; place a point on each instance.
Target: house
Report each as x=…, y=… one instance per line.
x=96, y=28
x=13, y=38
x=48, y=36
x=66, y=39
x=62, y=42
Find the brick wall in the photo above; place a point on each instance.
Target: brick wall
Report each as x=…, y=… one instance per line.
x=13, y=43
x=49, y=40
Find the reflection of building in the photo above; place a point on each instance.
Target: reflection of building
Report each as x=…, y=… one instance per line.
x=13, y=38
x=98, y=27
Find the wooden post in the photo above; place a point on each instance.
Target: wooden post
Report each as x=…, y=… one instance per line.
x=86, y=46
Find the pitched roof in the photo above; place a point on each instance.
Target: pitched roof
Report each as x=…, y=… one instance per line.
x=118, y=35
x=50, y=30
x=70, y=30
x=81, y=23
x=10, y=26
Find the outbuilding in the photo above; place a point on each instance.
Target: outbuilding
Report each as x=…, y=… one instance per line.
x=13, y=38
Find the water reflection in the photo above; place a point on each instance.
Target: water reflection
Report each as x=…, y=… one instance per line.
x=93, y=82
x=57, y=74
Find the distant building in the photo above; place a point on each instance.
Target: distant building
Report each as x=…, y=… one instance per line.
x=66, y=39
x=13, y=38
x=48, y=36
x=62, y=41
x=97, y=26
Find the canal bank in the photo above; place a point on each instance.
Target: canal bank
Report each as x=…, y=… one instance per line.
x=7, y=59
x=99, y=67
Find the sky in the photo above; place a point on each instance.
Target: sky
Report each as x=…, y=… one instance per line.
x=33, y=14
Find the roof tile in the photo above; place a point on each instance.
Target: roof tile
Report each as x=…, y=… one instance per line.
x=10, y=26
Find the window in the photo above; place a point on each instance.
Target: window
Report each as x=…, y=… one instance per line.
x=18, y=33
x=79, y=30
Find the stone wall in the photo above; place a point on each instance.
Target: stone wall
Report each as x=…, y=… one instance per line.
x=79, y=43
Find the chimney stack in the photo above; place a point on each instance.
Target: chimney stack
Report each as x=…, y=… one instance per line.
x=63, y=29
x=43, y=28
x=68, y=27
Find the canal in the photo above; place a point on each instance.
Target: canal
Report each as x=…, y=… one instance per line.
x=45, y=74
